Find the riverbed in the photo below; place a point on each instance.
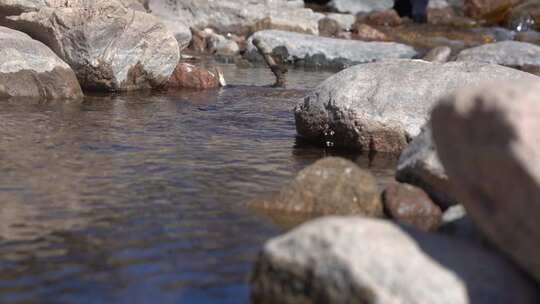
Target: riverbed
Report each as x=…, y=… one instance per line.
x=141, y=198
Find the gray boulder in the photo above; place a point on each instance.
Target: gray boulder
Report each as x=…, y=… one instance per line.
x=381, y=106
x=330, y=186
x=491, y=153
x=237, y=16
x=361, y=260
x=419, y=165
x=109, y=46
x=28, y=68
x=507, y=53
x=312, y=50
x=360, y=6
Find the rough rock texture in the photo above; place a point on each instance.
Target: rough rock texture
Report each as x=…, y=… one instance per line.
x=108, y=46
x=360, y=6
x=381, y=106
x=481, y=8
x=508, y=53
x=411, y=205
x=492, y=156
x=188, y=76
x=369, y=33
x=330, y=186
x=361, y=260
x=345, y=21
x=238, y=16
x=312, y=50
x=439, y=54
x=419, y=165
x=28, y=68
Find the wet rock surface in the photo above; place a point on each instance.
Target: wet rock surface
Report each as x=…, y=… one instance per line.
x=28, y=68
x=507, y=53
x=419, y=165
x=382, y=106
x=330, y=186
x=309, y=50
x=189, y=76
x=360, y=260
x=495, y=134
x=108, y=46
x=411, y=205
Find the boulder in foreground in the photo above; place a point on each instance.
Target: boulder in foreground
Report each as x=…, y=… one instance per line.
x=361, y=260
x=491, y=154
x=381, y=106
x=28, y=68
x=109, y=46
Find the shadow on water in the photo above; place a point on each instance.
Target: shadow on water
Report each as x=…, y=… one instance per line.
x=140, y=198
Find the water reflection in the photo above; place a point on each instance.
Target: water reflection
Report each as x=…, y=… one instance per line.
x=140, y=198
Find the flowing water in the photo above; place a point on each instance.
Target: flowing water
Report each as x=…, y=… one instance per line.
x=141, y=198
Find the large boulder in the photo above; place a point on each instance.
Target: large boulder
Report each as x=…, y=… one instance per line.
x=361, y=260
x=28, y=68
x=109, y=46
x=419, y=165
x=491, y=154
x=381, y=106
x=312, y=50
x=329, y=186
x=508, y=53
x=360, y=6
x=238, y=16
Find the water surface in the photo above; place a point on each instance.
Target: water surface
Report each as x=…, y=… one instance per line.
x=141, y=198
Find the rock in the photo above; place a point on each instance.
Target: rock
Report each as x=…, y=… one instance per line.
x=301, y=21
x=530, y=37
x=345, y=21
x=491, y=153
x=28, y=68
x=508, y=53
x=368, y=33
x=188, y=76
x=362, y=260
x=108, y=46
x=439, y=54
x=179, y=30
x=329, y=27
x=383, y=18
x=419, y=165
x=311, y=50
x=411, y=205
x=238, y=16
x=438, y=4
x=482, y=8
x=381, y=106
x=360, y=6
x=330, y=186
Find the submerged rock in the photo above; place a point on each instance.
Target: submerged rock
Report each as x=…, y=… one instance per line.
x=361, y=260
x=360, y=6
x=381, y=106
x=28, y=68
x=108, y=46
x=507, y=53
x=491, y=153
x=312, y=50
x=330, y=186
x=411, y=205
x=419, y=165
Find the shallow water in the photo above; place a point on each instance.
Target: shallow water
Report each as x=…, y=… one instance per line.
x=141, y=198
